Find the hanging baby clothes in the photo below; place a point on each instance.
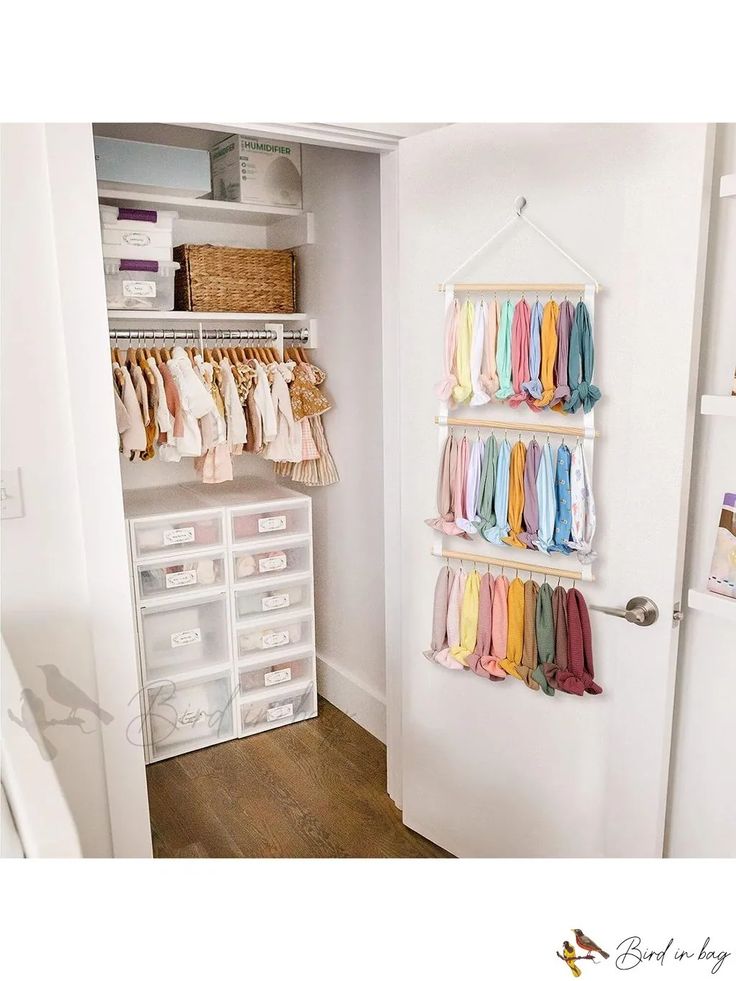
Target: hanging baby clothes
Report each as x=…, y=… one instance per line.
x=480, y=395
x=503, y=352
x=579, y=676
x=529, y=650
x=286, y=446
x=215, y=464
x=563, y=517
x=545, y=634
x=546, y=500
x=489, y=377
x=264, y=403
x=195, y=400
x=485, y=516
x=520, y=353
x=549, y=352
x=472, y=480
x=496, y=533
x=515, y=638
x=564, y=326
x=531, y=509
x=581, y=362
x=445, y=388
x=463, y=389
x=163, y=417
x=310, y=404
x=533, y=387
x=468, y=619
x=499, y=627
x=134, y=437
x=516, y=494
x=583, y=507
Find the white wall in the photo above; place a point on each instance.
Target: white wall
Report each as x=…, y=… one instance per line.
x=65, y=593
x=340, y=284
x=702, y=806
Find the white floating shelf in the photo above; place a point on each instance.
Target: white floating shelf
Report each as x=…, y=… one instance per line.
x=718, y=405
x=720, y=606
x=728, y=185
x=188, y=316
x=201, y=209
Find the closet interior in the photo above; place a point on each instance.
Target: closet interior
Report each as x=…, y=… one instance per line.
x=255, y=579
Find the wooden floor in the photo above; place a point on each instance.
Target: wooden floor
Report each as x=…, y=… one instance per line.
x=316, y=789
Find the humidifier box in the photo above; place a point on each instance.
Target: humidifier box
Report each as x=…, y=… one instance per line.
x=252, y=171
x=153, y=168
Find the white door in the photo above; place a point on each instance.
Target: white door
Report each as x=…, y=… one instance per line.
x=499, y=770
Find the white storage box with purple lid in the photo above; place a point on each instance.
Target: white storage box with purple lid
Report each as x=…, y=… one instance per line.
x=139, y=284
x=132, y=233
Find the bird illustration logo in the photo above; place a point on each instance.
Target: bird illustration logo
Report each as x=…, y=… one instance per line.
x=569, y=955
x=65, y=692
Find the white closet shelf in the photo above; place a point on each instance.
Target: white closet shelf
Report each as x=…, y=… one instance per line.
x=720, y=606
x=728, y=186
x=189, y=316
x=718, y=405
x=200, y=209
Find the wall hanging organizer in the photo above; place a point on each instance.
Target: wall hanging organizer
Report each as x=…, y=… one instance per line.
x=513, y=348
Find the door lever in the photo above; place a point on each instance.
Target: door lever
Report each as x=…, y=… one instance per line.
x=640, y=610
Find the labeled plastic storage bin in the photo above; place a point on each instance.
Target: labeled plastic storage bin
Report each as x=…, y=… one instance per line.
x=137, y=219
x=184, y=716
x=260, y=524
x=129, y=233
x=269, y=709
x=258, y=561
x=274, y=633
x=186, y=636
x=139, y=284
x=262, y=674
x=180, y=575
x=289, y=596
x=183, y=533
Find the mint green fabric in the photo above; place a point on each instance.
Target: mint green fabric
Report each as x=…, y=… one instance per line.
x=503, y=352
x=486, y=517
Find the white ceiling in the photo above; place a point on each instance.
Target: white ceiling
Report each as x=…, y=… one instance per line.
x=394, y=129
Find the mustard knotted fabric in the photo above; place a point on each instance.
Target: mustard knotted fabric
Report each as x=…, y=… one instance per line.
x=516, y=495
x=549, y=352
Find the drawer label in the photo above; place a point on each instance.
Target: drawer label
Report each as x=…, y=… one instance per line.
x=139, y=287
x=136, y=238
x=276, y=523
x=185, y=637
x=175, y=536
x=280, y=712
x=176, y=579
x=276, y=677
x=275, y=638
x=276, y=602
x=272, y=563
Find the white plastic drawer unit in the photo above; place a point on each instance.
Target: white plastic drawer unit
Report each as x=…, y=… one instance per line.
x=292, y=595
x=271, y=672
x=184, y=716
x=180, y=575
x=281, y=557
x=258, y=523
x=269, y=709
x=170, y=534
x=183, y=637
x=274, y=633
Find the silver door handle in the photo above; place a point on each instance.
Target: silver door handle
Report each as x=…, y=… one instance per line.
x=640, y=610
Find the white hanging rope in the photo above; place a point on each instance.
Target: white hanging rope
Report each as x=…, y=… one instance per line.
x=520, y=204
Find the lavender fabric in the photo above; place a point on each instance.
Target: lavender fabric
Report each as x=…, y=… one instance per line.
x=531, y=510
x=564, y=326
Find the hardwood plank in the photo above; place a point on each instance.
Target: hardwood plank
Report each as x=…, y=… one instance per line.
x=315, y=789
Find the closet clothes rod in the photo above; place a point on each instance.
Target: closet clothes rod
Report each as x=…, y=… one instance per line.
x=209, y=333
x=543, y=570
x=515, y=427
x=515, y=287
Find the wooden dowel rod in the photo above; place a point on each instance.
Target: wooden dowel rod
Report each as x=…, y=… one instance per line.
x=543, y=570
x=516, y=287
x=524, y=427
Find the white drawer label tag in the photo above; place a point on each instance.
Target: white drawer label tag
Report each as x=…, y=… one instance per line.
x=280, y=712
x=185, y=637
x=175, y=579
x=139, y=287
x=276, y=677
x=275, y=638
x=276, y=602
x=277, y=523
x=273, y=563
x=175, y=536
x=136, y=238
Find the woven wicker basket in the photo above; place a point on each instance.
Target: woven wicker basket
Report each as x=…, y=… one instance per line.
x=214, y=279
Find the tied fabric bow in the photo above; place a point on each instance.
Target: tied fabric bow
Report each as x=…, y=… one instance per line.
x=445, y=388
x=581, y=362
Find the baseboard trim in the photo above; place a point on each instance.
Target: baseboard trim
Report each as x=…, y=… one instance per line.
x=362, y=703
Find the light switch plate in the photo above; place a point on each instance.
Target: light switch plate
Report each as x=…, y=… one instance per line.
x=11, y=495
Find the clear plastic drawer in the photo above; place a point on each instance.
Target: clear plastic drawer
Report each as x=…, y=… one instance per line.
x=177, y=576
x=186, y=636
x=257, y=562
x=290, y=596
x=182, y=533
x=261, y=523
x=261, y=674
x=190, y=715
x=268, y=710
x=274, y=633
